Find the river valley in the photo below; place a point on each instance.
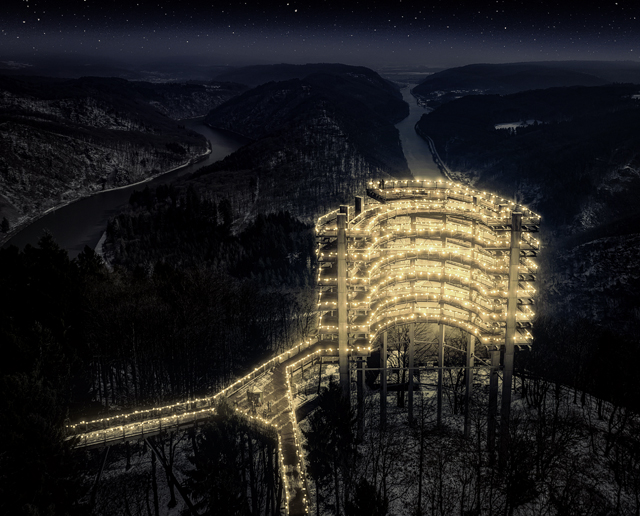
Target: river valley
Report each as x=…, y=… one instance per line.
x=83, y=222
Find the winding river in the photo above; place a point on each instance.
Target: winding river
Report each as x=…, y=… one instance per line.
x=83, y=222
x=415, y=149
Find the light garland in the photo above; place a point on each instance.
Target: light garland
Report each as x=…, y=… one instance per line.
x=436, y=251
x=463, y=283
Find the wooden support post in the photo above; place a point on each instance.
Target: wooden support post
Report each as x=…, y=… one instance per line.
x=412, y=326
x=360, y=379
x=94, y=490
x=469, y=384
x=440, y=371
x=383, y=381
x=343, y=344
x=493, y=402
x=512, y=302
x=412, y=345
x=359, y=205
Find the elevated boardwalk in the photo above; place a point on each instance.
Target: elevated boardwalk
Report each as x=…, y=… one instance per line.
x=272, y=378
x=431, y=252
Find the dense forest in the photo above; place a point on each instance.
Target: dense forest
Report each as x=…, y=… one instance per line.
x=174, y=226
x=80, y=340
x=323, y=136
x=61, y=139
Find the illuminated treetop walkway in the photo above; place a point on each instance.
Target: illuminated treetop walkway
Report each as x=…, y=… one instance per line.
x=421, y=251
x=432, y=252
x=274, y=378
x=427, y=251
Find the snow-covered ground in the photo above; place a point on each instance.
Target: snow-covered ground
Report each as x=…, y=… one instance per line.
x=515, y=125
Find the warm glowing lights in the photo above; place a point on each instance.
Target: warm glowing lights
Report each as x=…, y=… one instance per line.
x=436, y=251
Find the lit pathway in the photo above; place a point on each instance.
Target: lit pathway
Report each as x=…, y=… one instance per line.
x=276, y=389
x=271, y=377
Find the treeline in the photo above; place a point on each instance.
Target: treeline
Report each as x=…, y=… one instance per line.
x=584, y=133
x=574, y=446
x=79, y=341
x=176, y=226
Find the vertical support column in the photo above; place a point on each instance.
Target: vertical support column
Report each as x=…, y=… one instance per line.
x=360, y=381
x=512, y=301
x=383, y=381
x=470, y=362
x=493, y=402
x=343, y=337
x=441, y=330
x=412, y=326
x=359, y=205
x=412, y=346
x=440, y=370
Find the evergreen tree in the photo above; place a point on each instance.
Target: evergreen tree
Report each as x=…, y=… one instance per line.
x=331, y=442
x=216, y=481
x=367, y=501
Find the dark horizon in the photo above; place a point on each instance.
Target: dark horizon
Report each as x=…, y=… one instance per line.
x=375, y=35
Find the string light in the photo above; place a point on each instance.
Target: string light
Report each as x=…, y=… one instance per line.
x=449, y=268
x=435, y=251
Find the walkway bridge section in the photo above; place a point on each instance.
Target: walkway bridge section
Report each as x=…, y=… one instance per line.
x=417, y=252
x=275, y=378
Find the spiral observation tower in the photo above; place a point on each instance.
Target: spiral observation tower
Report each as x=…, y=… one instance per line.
x=427, y=252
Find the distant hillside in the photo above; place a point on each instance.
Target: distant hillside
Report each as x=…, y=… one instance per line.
x=610, y=71
x=175, y=100
x=318, y=140
x=579, y=166
x=61, y=139
x=514, y=77
x=261, y=74
x=167, y=69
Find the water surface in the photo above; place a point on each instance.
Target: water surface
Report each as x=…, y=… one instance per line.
x=415, y=149
x=84, y=221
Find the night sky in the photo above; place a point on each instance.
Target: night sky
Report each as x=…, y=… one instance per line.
x=368, y=32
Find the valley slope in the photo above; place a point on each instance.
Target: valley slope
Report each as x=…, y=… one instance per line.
x=62, y=139
x=318, y=140
x=573, y=155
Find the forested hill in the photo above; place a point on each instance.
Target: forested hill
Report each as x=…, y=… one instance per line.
x=61, y=139
x=318, y=141
x=576, y=160
x=509, y=78
x=261, y=74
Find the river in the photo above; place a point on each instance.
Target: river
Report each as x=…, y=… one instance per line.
x=415, y=149
x=83, y=222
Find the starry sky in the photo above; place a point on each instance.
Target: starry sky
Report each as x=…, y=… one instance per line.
x=368, y=32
